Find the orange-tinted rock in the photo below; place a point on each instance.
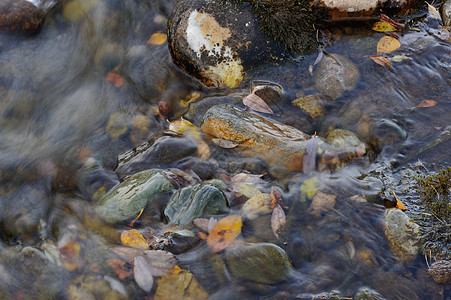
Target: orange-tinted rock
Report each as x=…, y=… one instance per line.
x=19, y=16
x=284, y=148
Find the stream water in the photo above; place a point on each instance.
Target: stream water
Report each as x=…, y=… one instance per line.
x=89, y=86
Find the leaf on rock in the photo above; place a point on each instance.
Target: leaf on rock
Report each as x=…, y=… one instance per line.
x=181, y=285
x=256, y=103
x=382, y=27
x=245, y=189
x=258, y=205
x=133, y=238
x=224, y=233
x=226, y=144
x=121, y=268
x=427, y=103
x=114, y=78
x=399, y=204
x=397, y=25
x=383, y=61
x=276, y=198
x=142, y=273
x=158, y=38
x=278, y=219
x=387, y=44
x=251, y=179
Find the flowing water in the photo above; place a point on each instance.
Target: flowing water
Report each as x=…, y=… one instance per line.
x=89, y=86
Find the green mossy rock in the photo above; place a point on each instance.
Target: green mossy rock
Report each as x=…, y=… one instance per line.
x=127, y=199
x=196, y=201
x=262, y=263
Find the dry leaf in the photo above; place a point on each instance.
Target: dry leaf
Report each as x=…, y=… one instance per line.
x=142, y=273
x=427, y=103
x=382, y=27
x=383, y=61
x=114, y=78
x=278, y=219
x=387, y=44
x=399, y=204
x=226, y=144
x=201, y=235
x=175, y=270
x=258, y=205
x=180, y=285
x=133, y=238
x=121, y=268
x=224, y=233
x=160, y=262
x=157, y=38
x=126, y=253
x=256, y=103
x=245, y=189
x=70, y=256
x=397, y=25
x=276, y=198
x=251, y=179
x=203, y=150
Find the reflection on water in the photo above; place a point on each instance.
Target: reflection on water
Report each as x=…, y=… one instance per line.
x=88, y=87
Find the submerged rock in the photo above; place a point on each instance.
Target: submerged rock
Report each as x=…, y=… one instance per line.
x=281, y=146
x=262, y=263
x=196, y=201
x=441, y=271
x=20, y=16
x=446, y=13
x=147, y=188
x=366, y=293
x=402, y=234
x=334, y=75
x=216, y=41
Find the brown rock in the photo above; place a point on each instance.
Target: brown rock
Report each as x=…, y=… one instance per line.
x=441, y=271
x=20, y=16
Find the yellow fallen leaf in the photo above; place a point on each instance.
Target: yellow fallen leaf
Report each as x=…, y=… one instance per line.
x=224, y=233
x=382, y=27
x=133, y=238
x=399, y=204
x=157, y=38
x=427, y=103
x=387, y=44
x=383, y=61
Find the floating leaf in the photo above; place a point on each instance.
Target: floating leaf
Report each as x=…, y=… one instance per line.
x=276, y=198
x=133, y=238
x=258, y=205
x=399, y=204
x=114, y=78
x=224, y=233
x=157, y=38
x=226, y=144
x=382, y=27
x=383, y=61
x=256, y=103
x=278, y=219
x=121, y=268
x=142, y=273
x=180, y=285
x=387, y=44
x=427, y=103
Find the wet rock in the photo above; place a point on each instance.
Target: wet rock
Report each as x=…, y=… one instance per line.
x=159, y=151
x=262, y=263
x=446, y=13
x=387, y=132
x=402, y=234
x=175, y=241
x=282, y=147
x=311, y=104
x=93, y=287
x=216, y=41
x=196, y=201
x=334, y=75
x=365, y=293
x=150, y=188
x=20, y=16
x=441, y=271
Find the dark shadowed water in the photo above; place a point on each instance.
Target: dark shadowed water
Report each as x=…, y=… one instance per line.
x=89, y=86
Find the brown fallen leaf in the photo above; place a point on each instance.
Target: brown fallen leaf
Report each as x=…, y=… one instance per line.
x=224, y=233
x=399, y=204
x=256, y=103
x=142, y=273
x=133, y=238
x=251, y=179
x=278, y=219
x=276, y=198
x=121, y=268
x=383, y=61
x=397, y=25
x=70, y=256
x=160, y=262
x=427, y=103
x=114, y=78
x=387, y=44
x=158, y=38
